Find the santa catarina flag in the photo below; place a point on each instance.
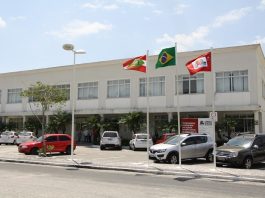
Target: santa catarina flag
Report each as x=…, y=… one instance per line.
x=137, y=63
x=166, y=57
x=201, y=63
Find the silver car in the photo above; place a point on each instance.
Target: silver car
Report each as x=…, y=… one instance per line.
x=192, y=146
x=8, y=137
x=110, y=139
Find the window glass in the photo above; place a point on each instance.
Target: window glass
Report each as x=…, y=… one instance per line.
x=190, y=140
x=156, y=86
x=190, y=84
x=201, y=139
x=118, y=88
x=87, y=90
x=51, y=139
x=63, y=138
x=235, y=81
x=109, y=134
x=13, y=96
x=65, y=88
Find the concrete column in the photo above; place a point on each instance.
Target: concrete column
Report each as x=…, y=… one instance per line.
x=256, y=122
x=170, y=116
x=47, y=119
x=24, y=120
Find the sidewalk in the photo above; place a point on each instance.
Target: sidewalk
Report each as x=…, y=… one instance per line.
x=91, y=157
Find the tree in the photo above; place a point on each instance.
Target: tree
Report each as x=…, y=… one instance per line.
x=133, y=120
x=33, y=124
x=94, y=123
x=44, y=97
x=58, y=121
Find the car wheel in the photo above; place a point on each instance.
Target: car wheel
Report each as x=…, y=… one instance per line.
x=209, y=156
x=120, y=148
x=34, y=151
x=68, y=150
x=248, y=162
x=173, y=158
x=102, y=147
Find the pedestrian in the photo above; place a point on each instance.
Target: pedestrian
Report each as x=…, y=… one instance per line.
x=79, y=136
x=85, y=132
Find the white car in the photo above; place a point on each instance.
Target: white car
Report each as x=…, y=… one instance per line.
x=110, y=139
x=25, y=136
x=139, y=141
x=192, y=146
x=8, y=137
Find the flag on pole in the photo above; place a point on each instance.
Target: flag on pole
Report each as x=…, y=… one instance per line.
x=137, y=63
x=201, y=63
x=166, y=58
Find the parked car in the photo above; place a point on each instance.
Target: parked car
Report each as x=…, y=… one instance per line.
x=110, y=139
x=192, y=146
x=139, y=141
x=243, y=150
x=164, y=137
x=25, y=136
x=8, y=137
x=54, y=143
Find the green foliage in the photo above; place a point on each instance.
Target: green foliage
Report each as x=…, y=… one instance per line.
x=33, y=124
x=133, y=120
x=59, y=121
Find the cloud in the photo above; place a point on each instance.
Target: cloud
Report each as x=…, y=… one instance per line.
x=179, y=9
x=187, y=41
x=79, y=28
x=137, y=2
x=231, y=16
x=261, y=5
x=2, y=23
x=199, y=37
x=100, y=5
x=18, y=18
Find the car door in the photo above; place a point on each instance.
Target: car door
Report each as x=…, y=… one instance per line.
x=52, y=144
x=257, y=153
x=202, y=146
x=64, y=141
x=4, y=137
x=188, y=148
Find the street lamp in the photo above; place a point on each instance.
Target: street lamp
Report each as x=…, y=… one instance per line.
x=70, y=47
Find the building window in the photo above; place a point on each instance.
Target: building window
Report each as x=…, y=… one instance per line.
x=87, y=90
x=156, y=86
x=190, y=84
x=13, y=96
x=65, y=88
x=118, y=88
x=236, y=81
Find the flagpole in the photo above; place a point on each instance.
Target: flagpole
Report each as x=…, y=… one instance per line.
x=178, y=112
x=147, y=106
x=213, y=111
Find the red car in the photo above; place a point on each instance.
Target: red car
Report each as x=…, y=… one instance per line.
x=54, y=143
x=164, y=137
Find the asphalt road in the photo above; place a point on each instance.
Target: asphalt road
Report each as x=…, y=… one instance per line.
x=24, y=181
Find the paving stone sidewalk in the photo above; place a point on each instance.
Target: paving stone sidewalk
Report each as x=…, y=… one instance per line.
x=134, y=161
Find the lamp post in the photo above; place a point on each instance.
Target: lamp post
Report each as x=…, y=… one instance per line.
x=70, y=47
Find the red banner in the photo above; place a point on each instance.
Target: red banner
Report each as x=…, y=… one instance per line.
x=189, y=125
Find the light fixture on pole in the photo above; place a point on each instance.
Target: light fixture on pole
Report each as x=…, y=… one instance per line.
x=70, y=47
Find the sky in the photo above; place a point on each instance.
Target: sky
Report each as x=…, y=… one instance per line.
x=32, y=32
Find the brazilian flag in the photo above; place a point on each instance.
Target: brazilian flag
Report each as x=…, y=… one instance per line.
x=167, y=57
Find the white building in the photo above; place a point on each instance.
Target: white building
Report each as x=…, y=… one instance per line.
x=105, y=88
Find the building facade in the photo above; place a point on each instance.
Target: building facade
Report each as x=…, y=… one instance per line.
x=104, y=88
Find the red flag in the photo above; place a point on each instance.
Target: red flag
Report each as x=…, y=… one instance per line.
x=201, y=63
x=137, y=63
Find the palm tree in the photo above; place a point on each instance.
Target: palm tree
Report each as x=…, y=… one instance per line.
x=94, y=123
x=59, y=121
x=133, y=120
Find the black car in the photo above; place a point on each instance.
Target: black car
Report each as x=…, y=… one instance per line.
x=242, y=150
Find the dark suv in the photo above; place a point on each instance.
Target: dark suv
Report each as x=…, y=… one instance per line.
x=242, y=150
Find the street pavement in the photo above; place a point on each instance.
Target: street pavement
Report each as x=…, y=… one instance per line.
x=88, y=156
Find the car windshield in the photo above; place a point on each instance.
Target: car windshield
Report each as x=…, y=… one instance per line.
x=174, y=140
x=240, y=141
x=39, y=139
x=142, y=137
x=110, y=134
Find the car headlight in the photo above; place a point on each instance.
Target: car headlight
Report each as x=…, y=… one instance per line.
x=233, y=154
x=161, y=150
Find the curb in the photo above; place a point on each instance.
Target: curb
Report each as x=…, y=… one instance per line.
x=178, y=174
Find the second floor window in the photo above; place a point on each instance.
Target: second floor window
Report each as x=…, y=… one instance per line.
x=190, y=84
x=87, y=90
x=236, y=81
x=156, y=86
x=13, y=96
x=118, y=88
